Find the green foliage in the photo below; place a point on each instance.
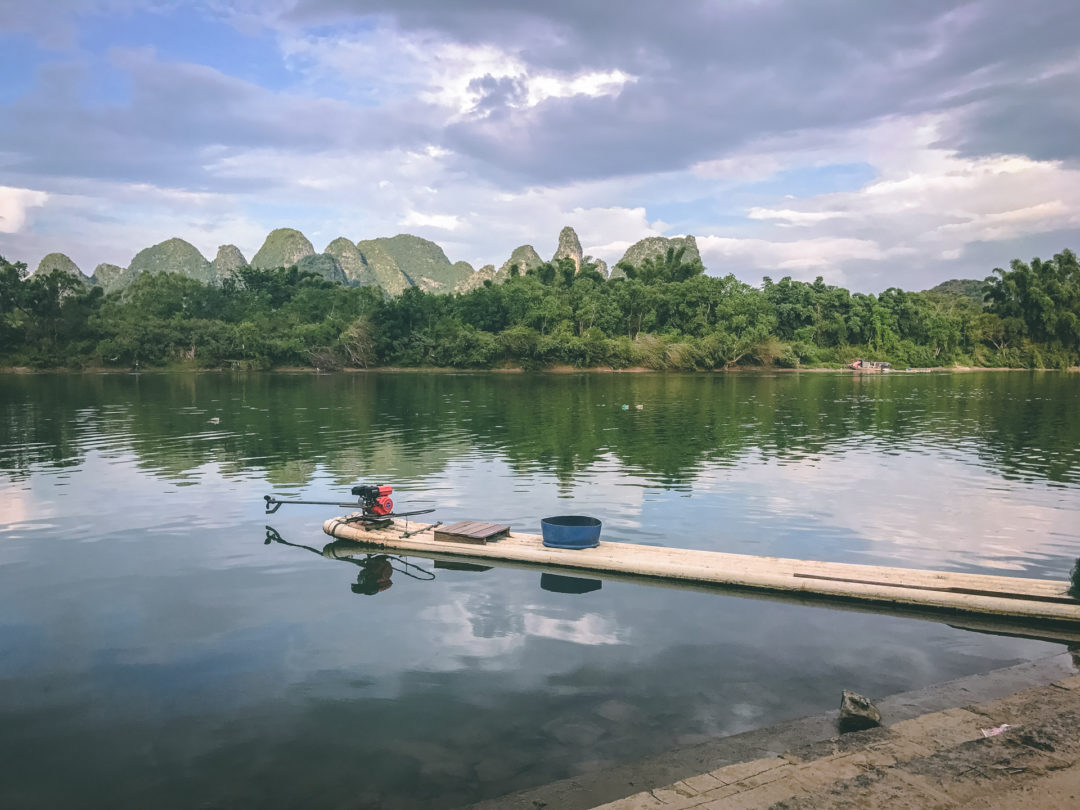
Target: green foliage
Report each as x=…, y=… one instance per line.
x=664, y=313
x=1074, y=577
x=1040, y=300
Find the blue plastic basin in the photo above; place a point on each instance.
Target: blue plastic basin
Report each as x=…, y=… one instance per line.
x=571, y=531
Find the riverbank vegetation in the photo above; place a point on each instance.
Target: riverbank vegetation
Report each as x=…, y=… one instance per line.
x=664, y=314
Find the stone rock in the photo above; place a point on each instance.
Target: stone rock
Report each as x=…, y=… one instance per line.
x=570, y=731
x=323, y=264
x=524, y=257
x=352, y=262
x=228, y=261
x=618, y=711
x=477, y=279
x=58, y=261
x=283, y=247
x=857, y=712
x=112, y=277
x=462, y=269
x=601, y=266
x=656, y=247
x=569, y=246
x=172, y=256
x=383, y=266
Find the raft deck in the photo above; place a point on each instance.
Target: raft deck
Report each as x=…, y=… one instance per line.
x=1034, y=600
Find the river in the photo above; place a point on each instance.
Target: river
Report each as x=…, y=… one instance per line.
x=160, y=649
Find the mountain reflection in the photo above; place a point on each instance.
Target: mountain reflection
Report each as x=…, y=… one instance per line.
x=1023, y=426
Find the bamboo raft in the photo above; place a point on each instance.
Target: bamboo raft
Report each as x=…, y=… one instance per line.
x=1020, y=600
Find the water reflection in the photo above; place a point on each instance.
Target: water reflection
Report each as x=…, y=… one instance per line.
x=168, y=660
x=1021, y=425
x=560, y=583
x=376, y=570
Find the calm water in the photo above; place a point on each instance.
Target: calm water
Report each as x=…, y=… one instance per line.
x=155, y=652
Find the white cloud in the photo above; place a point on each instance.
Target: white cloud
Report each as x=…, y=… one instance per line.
x=926, y=205
x=785, y=216
x=1017, y=524
x=389, y=64
x=821, y=254
x=14, y=203
x=445, y=222
x=591, y=83
x=739, y=169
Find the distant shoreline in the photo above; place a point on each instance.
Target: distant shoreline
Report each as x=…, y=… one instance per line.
x=557, y=369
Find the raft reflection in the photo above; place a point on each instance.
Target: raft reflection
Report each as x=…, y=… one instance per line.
x=377, y=570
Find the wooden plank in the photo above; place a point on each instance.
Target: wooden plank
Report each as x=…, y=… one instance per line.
x=470, y=531
x=1027, y=599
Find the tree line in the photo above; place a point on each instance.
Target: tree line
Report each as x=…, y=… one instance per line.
x=664, y=313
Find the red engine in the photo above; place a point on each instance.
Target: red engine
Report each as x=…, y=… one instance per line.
x=375, y=500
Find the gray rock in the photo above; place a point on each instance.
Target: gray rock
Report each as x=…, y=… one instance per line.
x=524, y=257
x=229, y=259
x=572, y=732
x=325, y=265
x=601, y=265
x=656, y=247
x=352, y=261
x=618, y=711
x=477, y=279
x=569, y=246
x=857, y=712
x=112, y=277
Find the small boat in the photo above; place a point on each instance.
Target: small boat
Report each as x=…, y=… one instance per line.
x=870, y=365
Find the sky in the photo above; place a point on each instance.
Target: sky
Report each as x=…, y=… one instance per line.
x=876, y=144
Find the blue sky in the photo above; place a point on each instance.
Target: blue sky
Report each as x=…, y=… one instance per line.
x=875, y=144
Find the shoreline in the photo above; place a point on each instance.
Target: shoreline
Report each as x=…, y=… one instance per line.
x=556, y=369
x=802, y=740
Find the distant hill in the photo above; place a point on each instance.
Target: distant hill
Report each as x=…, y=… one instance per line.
x=569, y=247
x=353, y=263
x=325, y=265
x=656, y=247
x=392, y=263
x=58, y=261
x=383, y=266
x=424, y=262
x=172, y=256
x=524, y=257
x=283, y=247
x=969, y=288
x=111, y=277
x=229, y=259
x=477, y=279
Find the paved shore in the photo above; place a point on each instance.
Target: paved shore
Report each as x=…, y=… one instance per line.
x=941, y=759
x=930, y=753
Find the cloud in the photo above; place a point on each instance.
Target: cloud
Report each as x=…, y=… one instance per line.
x=712, y=78
x=727, y=120
x=444, y=222
x=927, y=205
x=786, y=216
x=14, y=203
